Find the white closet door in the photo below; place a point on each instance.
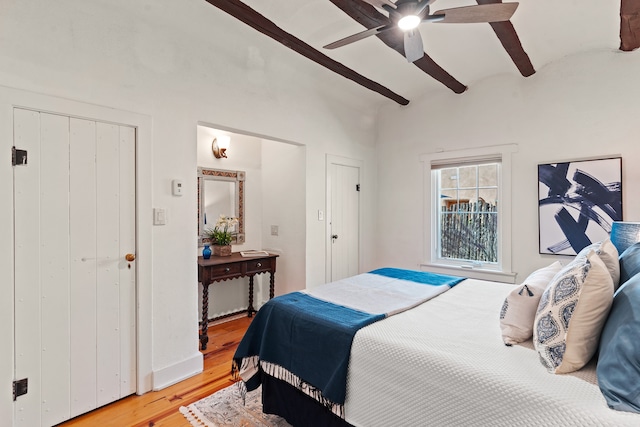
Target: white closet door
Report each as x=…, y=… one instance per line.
x=344, y=217
x=83, y=225
x=74, y=209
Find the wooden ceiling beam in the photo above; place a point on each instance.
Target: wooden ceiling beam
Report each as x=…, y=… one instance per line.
x=511, y=42
x=369, y=17
x=249, y=16
x=629, y=25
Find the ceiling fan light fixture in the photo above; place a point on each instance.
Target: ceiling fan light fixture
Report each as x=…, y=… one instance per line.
x=409, y=22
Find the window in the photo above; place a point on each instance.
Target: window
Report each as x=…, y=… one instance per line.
x=467, y=219
x=467, y=224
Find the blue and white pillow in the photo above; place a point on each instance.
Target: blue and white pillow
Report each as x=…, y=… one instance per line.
x=571, y=314
x=608, y=253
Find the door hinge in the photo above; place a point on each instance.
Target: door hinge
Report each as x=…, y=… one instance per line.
x=357, y=187
x=20, y=387
x=18, y=157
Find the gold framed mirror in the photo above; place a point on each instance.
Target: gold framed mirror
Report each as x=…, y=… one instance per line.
x=220, y=192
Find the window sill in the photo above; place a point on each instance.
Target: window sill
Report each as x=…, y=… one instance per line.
x=473, y=273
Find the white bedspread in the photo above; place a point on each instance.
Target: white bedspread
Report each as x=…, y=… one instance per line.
x=443, y=363
x=376, y=294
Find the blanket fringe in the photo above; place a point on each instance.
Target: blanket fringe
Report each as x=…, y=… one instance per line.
x=249, y=366
x=242, y=389
x=235, y=370
x=292, y=379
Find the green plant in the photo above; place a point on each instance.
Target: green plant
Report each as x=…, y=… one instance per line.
x=223, y=232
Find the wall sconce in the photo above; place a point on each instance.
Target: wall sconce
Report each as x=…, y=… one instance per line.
x=220, y=145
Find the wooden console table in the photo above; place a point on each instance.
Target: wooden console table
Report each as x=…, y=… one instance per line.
x=219, y=268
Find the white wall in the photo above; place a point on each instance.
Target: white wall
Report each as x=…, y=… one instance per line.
x=583, y=106
x=283, y=192
x=179, y=63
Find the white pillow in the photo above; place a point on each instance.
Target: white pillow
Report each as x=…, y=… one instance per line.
x=519, y=308
x=608, y=253
x=571, y=314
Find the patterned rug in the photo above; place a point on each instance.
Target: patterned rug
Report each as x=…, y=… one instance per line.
x=225, y=408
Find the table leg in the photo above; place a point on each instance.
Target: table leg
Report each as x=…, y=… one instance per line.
x=204, y=325
x=272, y=285
x=250, y=309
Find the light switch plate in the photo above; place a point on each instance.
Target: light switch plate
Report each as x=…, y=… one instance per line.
x=159, y=216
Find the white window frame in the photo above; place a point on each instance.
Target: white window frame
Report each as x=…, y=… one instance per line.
x=501, y=271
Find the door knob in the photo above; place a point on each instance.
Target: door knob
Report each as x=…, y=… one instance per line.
x=130, y=257
x=334, y=237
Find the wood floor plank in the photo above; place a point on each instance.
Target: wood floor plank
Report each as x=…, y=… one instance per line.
x=161, y=408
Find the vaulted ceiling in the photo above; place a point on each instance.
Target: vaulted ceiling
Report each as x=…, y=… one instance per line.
x=455, y=55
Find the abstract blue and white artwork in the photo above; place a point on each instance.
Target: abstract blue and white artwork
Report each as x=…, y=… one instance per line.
x=577, y=203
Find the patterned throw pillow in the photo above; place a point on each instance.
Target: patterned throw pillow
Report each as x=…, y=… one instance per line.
x=608, y=253
x=519, y=307
x=571, y=314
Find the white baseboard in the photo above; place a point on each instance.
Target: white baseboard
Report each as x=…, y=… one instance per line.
x=180, y=371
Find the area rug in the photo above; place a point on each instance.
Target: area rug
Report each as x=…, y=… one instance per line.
x=225, y=408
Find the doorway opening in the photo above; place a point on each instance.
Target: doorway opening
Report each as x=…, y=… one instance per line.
x=274, y=210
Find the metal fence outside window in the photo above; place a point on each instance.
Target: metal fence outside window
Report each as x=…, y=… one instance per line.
x=469, y=231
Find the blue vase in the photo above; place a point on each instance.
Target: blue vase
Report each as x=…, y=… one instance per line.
x=206, y=252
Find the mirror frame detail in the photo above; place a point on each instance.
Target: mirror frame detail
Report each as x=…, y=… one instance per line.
x=237, y=177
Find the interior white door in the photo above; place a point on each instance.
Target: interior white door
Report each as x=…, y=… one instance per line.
x=344, y=219
x=74, y=204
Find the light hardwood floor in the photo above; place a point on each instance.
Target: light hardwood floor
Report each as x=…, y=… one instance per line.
x=160, y=408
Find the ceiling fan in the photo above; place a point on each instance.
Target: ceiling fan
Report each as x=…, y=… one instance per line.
x=407, y=15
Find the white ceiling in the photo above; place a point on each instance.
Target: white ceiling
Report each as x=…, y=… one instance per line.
x=548, y=31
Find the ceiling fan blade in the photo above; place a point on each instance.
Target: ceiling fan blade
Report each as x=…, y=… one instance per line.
x=423, y=7
x=493, y=12
x=380, y=3
x=413, y=49
x=358, y=36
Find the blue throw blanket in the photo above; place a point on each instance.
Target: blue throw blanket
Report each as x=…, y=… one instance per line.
x=419, y=276
x=311, y=338
x=307, y=336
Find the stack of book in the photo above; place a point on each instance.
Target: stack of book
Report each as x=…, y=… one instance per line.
x=251, y=253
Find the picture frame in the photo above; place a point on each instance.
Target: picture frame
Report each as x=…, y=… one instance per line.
x=577, y=203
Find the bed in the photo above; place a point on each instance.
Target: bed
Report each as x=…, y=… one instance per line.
x=443, y=362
